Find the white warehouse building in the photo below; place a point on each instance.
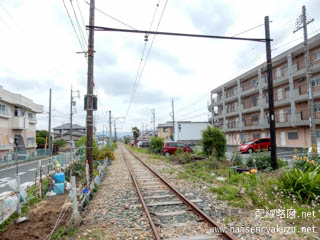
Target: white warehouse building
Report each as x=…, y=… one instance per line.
x=189, y=132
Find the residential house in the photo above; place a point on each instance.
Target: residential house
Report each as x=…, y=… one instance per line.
x=64, y=131
x=240, y=107
x=165, y=131
x=17, y=122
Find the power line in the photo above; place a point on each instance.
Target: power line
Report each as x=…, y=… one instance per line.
x=79, y=27
x=83, y=48
x=115, y=19
x=83, y=22
x=248, y=30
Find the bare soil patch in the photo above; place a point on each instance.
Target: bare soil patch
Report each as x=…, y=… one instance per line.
x=42, y=218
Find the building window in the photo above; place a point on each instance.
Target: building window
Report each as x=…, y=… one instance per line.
x=254, y=118
x=165, y=129
x=316, y=82
x=31, y=115
x=292, y=135
x=316, y=55
x=316, y=107
x=4, y=110
x=30, y=141
x=255, y=135
x=318, y=134
x=243, y=137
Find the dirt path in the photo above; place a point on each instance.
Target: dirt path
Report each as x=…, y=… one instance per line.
x=42, y=218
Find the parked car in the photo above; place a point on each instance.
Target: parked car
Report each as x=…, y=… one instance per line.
x=255, y=145
x=143, y=144
x=170, y=148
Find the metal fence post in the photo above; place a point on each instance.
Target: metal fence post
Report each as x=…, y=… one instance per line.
x=75, y=212
x=18, y=194
x=40, y=180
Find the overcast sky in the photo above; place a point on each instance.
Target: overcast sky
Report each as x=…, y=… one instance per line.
x=38, y=51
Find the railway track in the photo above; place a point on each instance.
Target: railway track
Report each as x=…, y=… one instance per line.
x=169, y=212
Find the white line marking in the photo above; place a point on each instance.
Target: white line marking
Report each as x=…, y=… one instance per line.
x=21, y=173
x=3, y=185
x=4, y=179
x=32, y=169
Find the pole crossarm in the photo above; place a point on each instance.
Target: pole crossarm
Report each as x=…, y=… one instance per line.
x=98, y=28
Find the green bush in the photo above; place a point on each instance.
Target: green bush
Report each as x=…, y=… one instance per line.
x=178, y=151
x=214, y=142
x=237, y=161
x=60, y=142
x=263, y=162
x=304, y=185
x=156, y=145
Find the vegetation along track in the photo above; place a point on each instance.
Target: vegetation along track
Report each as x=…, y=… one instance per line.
x=168, y=211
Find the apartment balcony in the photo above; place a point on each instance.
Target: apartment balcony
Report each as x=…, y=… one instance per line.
x=299, y=95
x=302, y=119
x=216, y=101
x=231, y=97
x=5, y=114
x=249, y=91
x=251, y=125
x=298, y=73
x=33, y=121
x=20, y=123
x=232, y=128
x=5, y=147
x=232, y=112
x=250, y=107
x=316, y=66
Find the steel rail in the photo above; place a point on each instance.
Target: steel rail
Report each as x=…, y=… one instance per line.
x=144, y=206
x=200, y=213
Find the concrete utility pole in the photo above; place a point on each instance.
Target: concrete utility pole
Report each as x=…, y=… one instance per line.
x=154, y=122
x=110, y=134
x=71, y=100
x=90, y=84
x=212, y=115
x=270, y=93
x=72, y=103
x=115, y=132
x=173, y=117
x=302, y=23
x=49, y=127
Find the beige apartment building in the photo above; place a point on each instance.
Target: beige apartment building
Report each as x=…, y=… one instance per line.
x=17, y=122
x=165, y=131
x=240, y=106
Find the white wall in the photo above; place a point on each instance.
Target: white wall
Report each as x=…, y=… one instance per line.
x=189, y=130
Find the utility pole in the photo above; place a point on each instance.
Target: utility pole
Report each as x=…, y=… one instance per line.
x=110, y=134
x=49, y=127
x=89, y=120
x=173, y=117
x=270, y=93
x=154, y=122
x=115, y=132
x=72, y=103
x=71, y=100
x=302, y=23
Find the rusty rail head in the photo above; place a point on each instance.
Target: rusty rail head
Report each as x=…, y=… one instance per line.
x=144, y=206
x=194, y=208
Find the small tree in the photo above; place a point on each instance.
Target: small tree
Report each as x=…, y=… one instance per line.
x=127, y=140
x=214, y=142
x=136, y=134
x=156, y=144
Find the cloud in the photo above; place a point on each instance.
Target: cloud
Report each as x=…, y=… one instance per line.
x=120, y=84
x=166, y=58
x=211, y=17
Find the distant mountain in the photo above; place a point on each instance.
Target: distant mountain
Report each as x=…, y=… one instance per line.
x=119, y=134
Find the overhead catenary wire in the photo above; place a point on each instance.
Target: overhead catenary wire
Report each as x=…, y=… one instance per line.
x=147, y=56
x=140, y=70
